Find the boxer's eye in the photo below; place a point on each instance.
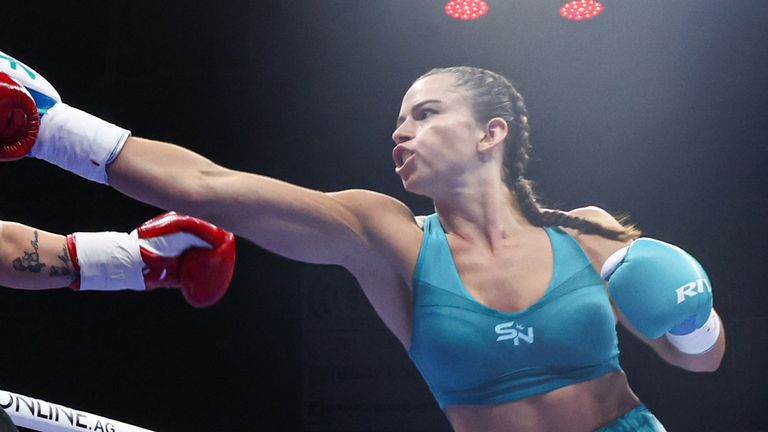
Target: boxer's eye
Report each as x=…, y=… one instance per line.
x=425, y=113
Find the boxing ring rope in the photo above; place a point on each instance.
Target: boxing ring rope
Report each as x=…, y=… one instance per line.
x=45, y=416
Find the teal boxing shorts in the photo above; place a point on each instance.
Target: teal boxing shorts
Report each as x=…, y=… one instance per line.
x=639, y=419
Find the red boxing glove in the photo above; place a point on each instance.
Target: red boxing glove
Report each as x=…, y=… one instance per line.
x=19, y=120
x=202, y=274
x=171, y=251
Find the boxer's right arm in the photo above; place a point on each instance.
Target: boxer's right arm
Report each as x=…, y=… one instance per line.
x=292, y=221
x=295, y=222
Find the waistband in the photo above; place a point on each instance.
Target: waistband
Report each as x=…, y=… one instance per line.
x=638, y=419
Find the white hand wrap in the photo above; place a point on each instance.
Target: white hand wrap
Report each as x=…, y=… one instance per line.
x=109, y=261
x=78, y=142
x=700, y=340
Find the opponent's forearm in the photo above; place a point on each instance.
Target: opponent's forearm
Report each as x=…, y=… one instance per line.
x=33, y=259
x=142, y=260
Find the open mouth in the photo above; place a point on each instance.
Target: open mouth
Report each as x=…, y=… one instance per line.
x=400, y=156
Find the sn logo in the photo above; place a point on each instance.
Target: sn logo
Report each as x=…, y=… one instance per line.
x=691, y=289
x=510, y=330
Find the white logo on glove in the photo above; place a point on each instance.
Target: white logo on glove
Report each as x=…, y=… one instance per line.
x=691, y=289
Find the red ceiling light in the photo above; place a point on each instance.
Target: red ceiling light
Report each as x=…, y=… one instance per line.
x=581, y=9
x=466, y=9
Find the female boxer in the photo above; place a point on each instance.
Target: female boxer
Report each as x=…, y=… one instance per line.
x=499, y=302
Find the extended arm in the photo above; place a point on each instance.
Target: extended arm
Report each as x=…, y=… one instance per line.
x=292, y=221
x=289, y=220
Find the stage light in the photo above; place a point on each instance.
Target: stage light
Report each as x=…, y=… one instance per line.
x=466, y=9
x=579, y=10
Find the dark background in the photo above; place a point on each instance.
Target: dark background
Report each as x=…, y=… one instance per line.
x=655, y=108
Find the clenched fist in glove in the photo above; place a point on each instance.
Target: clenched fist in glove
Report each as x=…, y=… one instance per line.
x=19, y=120
x=35, y=122
x=171, y=250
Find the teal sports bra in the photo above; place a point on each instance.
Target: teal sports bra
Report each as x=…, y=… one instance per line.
x=470, y=354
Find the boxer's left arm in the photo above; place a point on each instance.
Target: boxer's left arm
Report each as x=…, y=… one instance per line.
x=650, y=318
x=33, y=259
x=664, y=296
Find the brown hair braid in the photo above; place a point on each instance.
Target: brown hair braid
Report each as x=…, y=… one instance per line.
x=492, y=95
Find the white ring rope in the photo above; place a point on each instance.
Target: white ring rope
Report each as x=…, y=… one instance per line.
x=44, y=416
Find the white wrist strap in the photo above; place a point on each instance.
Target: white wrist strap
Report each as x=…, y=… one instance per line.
x=78, y=142
x=109, y=261
x=700, y=340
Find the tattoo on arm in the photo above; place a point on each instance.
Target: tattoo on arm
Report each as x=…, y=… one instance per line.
x=64, y=270
x=31, y=260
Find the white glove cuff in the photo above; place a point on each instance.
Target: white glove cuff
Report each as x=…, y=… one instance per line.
x=78, y=142
x=109, y=261
x=171, y=245
x=700, y=340
x=613, y=261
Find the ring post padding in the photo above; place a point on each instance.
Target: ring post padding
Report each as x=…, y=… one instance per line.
x=45, y=416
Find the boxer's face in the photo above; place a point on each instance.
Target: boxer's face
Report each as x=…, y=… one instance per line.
x=436, y=136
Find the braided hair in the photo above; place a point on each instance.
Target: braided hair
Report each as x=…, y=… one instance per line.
x=492, y=95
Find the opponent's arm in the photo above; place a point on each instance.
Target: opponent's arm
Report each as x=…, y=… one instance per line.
x=169, y=251
x=33, y=259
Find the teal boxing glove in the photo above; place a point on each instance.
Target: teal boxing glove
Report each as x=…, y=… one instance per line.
x=661, y=289
x=67, y=136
